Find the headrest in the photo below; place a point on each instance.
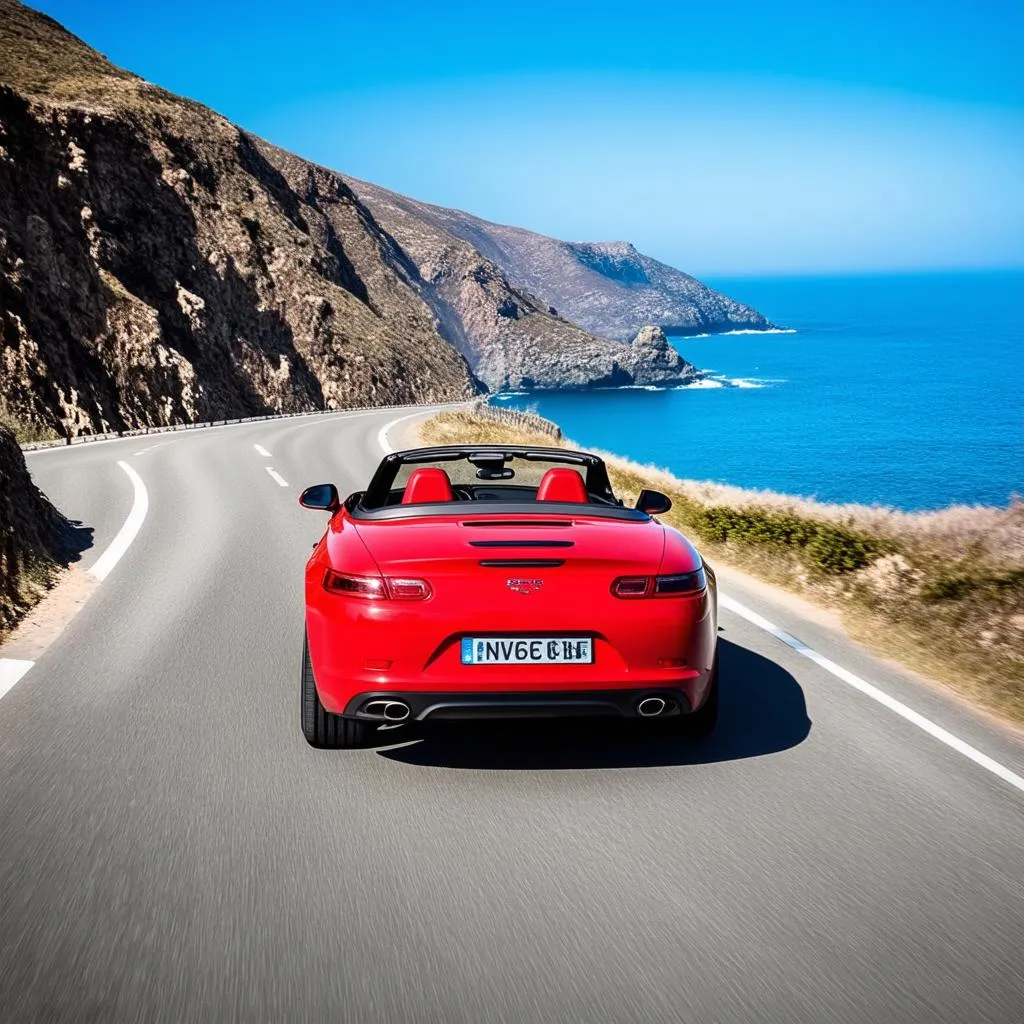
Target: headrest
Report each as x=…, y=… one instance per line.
x=562, y=485
x=427, y=484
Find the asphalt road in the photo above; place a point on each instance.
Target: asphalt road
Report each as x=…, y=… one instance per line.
x=172, y=850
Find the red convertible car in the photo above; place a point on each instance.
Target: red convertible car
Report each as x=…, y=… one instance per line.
x=490, y=581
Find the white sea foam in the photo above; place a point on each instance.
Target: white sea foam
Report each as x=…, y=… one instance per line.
x=767, y=330
x=745, y=330
x=719, y=380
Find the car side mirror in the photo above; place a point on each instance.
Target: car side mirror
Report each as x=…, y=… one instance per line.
x=321, y=496
x=654, y=503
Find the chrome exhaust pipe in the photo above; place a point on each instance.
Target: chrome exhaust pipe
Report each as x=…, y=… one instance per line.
x=390, y=710
x=396, y=710
x=651, y=707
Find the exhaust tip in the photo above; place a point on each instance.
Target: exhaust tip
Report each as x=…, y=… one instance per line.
x=396, y=711
x=389, y=710
x=651, y=707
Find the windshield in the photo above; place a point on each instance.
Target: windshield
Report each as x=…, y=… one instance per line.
x=487, y=474
x=516, y=472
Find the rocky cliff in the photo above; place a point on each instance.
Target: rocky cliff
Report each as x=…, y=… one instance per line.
x=511, y=339
x=32, y=535
x=606, y=288
x=159, y=265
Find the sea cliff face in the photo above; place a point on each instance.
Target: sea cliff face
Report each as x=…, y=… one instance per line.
x=606, y=288
x=160, y=265
x=511, y=339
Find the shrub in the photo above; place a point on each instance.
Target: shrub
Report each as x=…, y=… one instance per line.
x=826, y=547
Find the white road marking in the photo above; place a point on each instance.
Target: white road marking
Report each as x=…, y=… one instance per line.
x=277, y=478
x=132, y=525
x=262, y=451
x=11, y=670
x=153, y=447
x=382, y=436
x=872, y=691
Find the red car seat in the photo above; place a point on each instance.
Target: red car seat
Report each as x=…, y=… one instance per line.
x=562, y=485
x=427, y=484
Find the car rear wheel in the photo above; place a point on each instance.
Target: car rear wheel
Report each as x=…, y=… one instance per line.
x=319, y=726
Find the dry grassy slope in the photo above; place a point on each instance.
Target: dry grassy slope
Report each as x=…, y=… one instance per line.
x=941, y=591
x=158, y=264
x=511, y=339
x=607, y=288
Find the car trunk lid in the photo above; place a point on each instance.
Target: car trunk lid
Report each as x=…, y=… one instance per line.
x=472, y=546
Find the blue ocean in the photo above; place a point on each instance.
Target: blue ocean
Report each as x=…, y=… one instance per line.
x=900, y=390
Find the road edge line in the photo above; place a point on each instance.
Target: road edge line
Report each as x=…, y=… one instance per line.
x=382, y=434
x=870, y=690
x=11, y=670
x=130, y=528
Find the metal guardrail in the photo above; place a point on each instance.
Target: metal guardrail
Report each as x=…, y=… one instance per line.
x=176, y=427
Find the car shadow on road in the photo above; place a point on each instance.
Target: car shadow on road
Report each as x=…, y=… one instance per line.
x=762, y=711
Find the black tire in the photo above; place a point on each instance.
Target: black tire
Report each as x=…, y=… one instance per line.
x=320, y=727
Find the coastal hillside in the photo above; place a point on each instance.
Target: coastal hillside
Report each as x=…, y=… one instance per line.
x=607, y=288
x=160, y=265
x=512, y=339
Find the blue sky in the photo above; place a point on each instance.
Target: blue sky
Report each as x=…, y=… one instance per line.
x=729, y=138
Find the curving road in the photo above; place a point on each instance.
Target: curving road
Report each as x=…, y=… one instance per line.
x=172, y=850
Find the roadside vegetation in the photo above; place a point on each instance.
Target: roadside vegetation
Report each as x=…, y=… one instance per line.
x=942, y=591
x=24, y=432
x=32, y=537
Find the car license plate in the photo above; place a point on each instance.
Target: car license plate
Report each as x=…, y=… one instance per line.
x=518, y=650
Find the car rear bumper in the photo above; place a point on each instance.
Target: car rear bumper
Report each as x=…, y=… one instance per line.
x=461, y=704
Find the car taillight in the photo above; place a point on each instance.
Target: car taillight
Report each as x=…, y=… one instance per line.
x=676, y=585
x=354, y=586
x=376, y=587
x=683, y=583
